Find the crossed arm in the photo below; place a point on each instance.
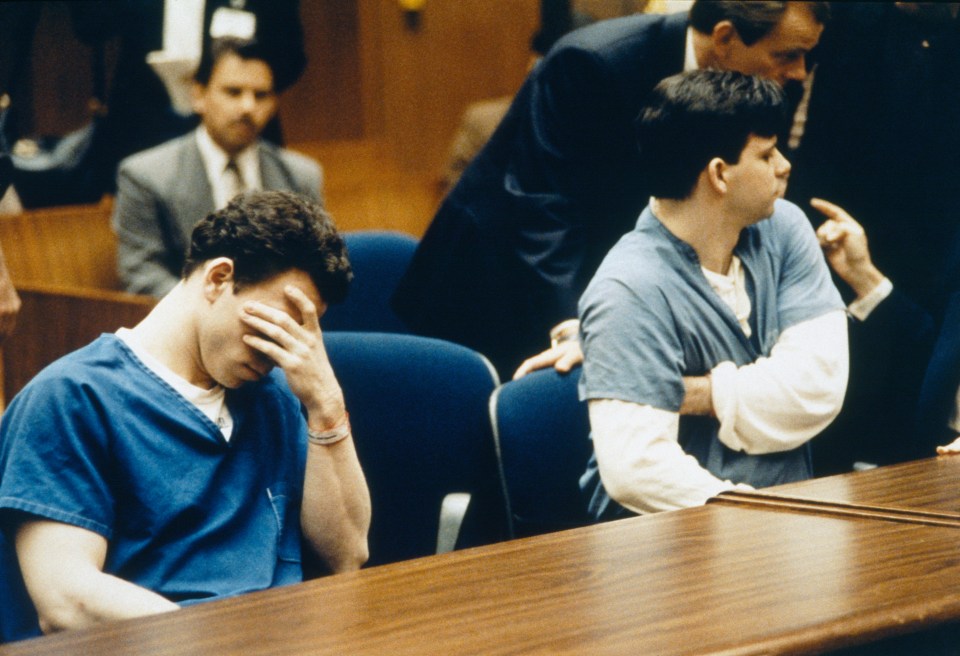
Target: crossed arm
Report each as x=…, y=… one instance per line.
x=771, y=405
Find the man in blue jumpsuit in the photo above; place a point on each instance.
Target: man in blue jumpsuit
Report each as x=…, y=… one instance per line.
x=715, y=344
x=189, y=457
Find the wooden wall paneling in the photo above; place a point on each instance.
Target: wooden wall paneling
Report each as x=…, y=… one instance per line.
x=327, y=101
x=367, y=189
x=371, y=66
x=458, y=52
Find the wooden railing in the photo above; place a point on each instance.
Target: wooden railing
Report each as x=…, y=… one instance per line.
x=63, y=264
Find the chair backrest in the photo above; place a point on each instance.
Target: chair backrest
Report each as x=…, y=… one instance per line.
x=542, y=432
x=379, y=259
x=418, y=407
x=18, y=619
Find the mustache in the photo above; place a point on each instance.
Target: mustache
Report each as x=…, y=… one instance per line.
x=245, y=121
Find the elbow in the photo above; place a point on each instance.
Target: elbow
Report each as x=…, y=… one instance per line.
x=60, y=614
x=351, y=559
x=344, y=551
x=830, y=401
x=621, y=483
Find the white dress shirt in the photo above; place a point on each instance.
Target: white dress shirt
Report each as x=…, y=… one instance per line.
x=215, y=162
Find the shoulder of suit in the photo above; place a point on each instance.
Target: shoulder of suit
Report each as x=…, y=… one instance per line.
x=291, y=158
x=614, y=33
x=158, y=155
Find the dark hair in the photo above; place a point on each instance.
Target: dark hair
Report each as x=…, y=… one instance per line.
x=753, y=19
x=691, y=118
x=266, y=233
x=245, y=49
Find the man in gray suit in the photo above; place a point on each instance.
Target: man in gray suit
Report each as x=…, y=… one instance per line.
x=162, y=192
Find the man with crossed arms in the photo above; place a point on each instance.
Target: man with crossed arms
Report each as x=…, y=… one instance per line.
x=715, y=344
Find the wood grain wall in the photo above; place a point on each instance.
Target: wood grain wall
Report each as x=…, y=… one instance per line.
x=377, y=72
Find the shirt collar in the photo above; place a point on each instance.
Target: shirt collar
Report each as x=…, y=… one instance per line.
x=215, y=158
x=215, y=162
x=689, y=57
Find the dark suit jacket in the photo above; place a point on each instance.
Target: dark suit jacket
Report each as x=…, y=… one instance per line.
x=164, y=191
x=514, y=244
x=883, y=141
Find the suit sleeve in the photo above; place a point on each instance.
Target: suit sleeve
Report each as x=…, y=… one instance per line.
x=142, y=259
x=555, y=167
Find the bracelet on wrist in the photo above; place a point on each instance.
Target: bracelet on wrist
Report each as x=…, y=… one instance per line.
x=330, y=437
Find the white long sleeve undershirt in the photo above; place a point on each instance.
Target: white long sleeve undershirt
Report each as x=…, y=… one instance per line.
x=774, y=404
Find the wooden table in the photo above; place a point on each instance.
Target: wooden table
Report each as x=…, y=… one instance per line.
x=925, y=491
x=719, y=579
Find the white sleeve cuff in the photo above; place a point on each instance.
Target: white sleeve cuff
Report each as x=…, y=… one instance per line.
x=861, y=308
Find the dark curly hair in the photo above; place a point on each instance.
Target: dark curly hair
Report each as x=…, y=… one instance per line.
x=266, y=233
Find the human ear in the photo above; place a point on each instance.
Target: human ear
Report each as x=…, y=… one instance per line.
x=217, y=277
x=723, y=38
x=716, y=173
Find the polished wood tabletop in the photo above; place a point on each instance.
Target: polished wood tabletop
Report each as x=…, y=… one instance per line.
x=926, y=491
x=719, y=579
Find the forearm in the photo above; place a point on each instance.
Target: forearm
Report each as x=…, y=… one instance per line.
x=62, y=568
x=698, y=396
x=92, y=597
x=863, y=279
x=641, y=463
x=335, y=515
x=779, y=402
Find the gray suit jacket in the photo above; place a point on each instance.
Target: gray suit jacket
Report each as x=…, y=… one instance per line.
x=162, y=192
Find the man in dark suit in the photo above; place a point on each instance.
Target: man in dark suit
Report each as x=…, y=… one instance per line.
x=164, y=191
x=883, y=141
x=516, y=241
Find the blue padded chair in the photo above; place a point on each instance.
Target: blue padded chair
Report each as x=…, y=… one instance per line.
x=18, y=619
x=379, y=259
x=542, y=432
x=418, y=407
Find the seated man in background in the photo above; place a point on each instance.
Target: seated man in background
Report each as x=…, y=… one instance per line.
x=171, y=463
x=715, y=343
x=162, y=192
